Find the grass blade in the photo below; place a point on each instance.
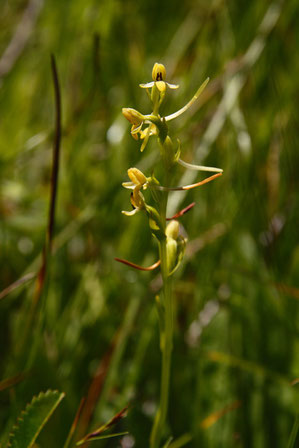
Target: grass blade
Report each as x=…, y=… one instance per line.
x=294, y=432
x=107, y=436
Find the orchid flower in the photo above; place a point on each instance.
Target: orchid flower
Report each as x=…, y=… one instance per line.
x=159, y=75
x=137, y=182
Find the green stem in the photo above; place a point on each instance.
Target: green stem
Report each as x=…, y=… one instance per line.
x=166, y=340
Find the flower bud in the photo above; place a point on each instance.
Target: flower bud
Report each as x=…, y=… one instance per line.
x=171, y=251
x=136, y=176
x=132, y=115
x=172, y=230
x=159, y=72
x=168, y=145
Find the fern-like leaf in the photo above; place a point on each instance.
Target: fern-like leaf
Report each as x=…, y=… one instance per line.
x=34, y=418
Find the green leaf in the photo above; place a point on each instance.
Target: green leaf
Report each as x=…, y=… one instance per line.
x=34, y=418
x=96, y=434
x=167, y=444
x=293, y=435
x=181, y=441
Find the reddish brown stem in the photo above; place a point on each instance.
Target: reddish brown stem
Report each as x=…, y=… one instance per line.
x=181, y=212
x=136, y=266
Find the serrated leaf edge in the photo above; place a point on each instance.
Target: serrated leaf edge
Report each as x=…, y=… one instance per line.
x=27, y=408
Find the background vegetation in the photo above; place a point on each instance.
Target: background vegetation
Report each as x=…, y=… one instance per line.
x=236, y=335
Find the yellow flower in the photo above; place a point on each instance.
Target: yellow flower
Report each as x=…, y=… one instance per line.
x=137, y=177
x=135, y=118
x=138, y=182
x=159, y=75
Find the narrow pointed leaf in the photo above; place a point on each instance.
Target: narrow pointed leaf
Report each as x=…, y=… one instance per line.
x=190, y=166
x=189, y=104
x=167, y=444
x=107, y=436
x=97, y=432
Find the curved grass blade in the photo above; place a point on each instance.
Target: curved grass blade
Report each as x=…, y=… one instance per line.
x=10, y=382
x=167, y=444
x=294, y=433
x=33, y=419
x=41, y=277
x=107, y=436
x=215, y=416
x=26, y=278
x=74, y=424
x=96, y=434
x=181, y=441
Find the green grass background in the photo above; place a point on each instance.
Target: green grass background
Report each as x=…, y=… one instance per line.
x=236, y=294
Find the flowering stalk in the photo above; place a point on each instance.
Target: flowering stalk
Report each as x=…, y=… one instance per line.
x=170, y=242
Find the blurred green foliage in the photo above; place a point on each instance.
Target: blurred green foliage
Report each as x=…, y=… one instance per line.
x=236, y=331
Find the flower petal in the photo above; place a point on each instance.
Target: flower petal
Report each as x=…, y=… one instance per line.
x=136, y=128
x=145, y=137
x=136, y=176
x=172, y=86
x=131, y=213
x=129, y=185
x=147, y=85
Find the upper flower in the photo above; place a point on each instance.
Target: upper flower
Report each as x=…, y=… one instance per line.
x=159, y=76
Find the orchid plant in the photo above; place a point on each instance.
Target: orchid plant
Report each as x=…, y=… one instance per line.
x=165, y=230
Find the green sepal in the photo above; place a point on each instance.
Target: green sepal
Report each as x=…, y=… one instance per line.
x=156, y=194
x=155, y=223
x=178, y=152
x=171, y=248
x=181, y=247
